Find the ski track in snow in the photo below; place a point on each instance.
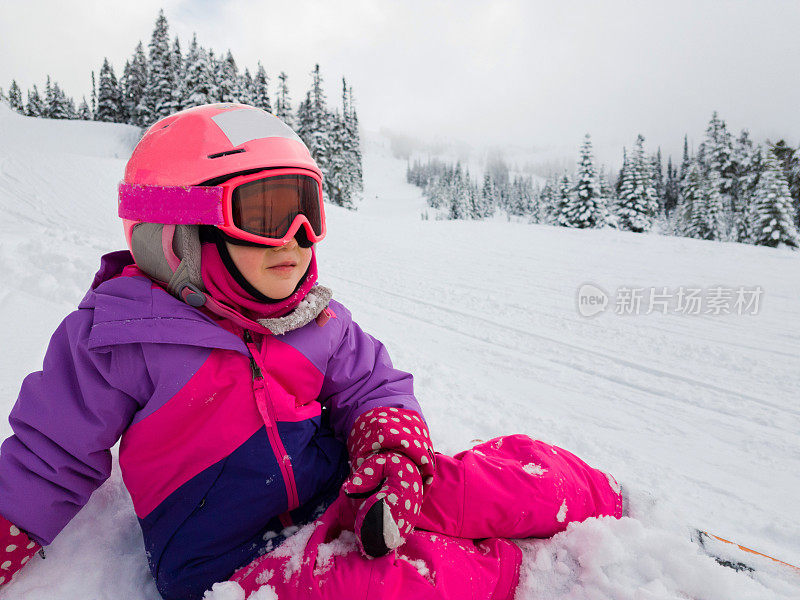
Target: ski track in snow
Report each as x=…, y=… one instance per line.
x=695, y=415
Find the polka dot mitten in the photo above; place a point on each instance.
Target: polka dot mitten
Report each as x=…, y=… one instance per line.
x=16, y=549
x=391, y=463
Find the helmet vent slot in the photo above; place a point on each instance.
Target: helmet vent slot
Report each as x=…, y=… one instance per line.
x=226, y=153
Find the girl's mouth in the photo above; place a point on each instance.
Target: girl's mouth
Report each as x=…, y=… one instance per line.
x=283, y=267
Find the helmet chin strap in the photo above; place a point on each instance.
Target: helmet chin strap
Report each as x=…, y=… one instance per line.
x=171, y=254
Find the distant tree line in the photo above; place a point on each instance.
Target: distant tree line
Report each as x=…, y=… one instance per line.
x=163, y=80
x=729, y=190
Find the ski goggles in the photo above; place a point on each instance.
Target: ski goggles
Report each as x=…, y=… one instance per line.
x=267, y=207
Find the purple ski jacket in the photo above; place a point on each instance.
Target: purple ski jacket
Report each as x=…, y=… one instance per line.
x=226, y=437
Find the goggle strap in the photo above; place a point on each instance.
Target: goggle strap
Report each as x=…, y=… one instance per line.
x=180, y=205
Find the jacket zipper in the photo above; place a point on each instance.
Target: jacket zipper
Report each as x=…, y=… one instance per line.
x=267, y=411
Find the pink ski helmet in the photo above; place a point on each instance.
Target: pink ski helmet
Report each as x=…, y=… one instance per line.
x=232, y=166
x=198, y=145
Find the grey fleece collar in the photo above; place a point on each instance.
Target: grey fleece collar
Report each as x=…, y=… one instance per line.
x=309, y=309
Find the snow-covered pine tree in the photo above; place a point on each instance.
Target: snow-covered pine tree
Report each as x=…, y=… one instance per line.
x=458, y=197
x=84, y=113
x=34, y=107
x=671, y=187
x=283, y=103
x=94, y=97
x=548, y=201
x=228, y=79
x=161, y=75
x=564, y=200
x=48, y=98
x=709, y=208
x=246, y=88
x=179, y=74
x=685, y=163
x=690, y=200
x=354, y=143
x=338, y=183
x=790, y=160
x=260, y=89
x=749, y=178
x=15, y=97
x=199, y=80
x=488, y=196
x=773, y=217
x=622, y=172
x=315, y=124
x=658, y=178
x=718, y=151
x=743, y=185
x=608, y=198
x=132, y=86
x=585, y=209
x=108, y=100
x=60, y=106
x=637, y=205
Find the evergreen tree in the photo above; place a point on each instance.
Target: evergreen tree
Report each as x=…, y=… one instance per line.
x=458, y=197
x=564, y=200
x=48, y=98
x=179, y=75
x=133, y=86
x=607, y=197
x=94, y=98
x=746, y=171
x=354, y=141
x=718, y=151
x=161, y=75
x=199, y=82
x=488, y=196
x=247, y=88
x=35, y=106
x=586, y=207
x=315, y=125
x=260, y=87
x=708, y=212
x=658, y=178
x=84, y=113
x=108, y=100
x=622, y=171
x=691, y=199
x=15, y=97
x=228, y=79
x=283, y=103
x=60, y=106
x=790, y=160
x=773, y=217
x=671, y=188
x=637, y=205
x=686, y=161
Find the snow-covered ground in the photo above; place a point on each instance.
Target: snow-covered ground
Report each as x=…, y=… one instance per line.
x=695, y=414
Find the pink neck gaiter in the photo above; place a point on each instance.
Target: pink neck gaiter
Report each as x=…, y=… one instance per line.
x=223, y=287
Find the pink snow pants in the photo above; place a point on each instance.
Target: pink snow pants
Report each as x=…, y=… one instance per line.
x=509, y=487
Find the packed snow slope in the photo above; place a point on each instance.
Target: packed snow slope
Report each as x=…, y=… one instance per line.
x=696, y=414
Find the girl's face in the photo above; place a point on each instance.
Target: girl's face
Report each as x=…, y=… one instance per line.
x=275, y=272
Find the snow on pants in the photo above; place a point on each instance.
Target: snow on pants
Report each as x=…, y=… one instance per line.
x=509, y=487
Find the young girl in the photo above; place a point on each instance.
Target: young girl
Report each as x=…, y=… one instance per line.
x=248, y=401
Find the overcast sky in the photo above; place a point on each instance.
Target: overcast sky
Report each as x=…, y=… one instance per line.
x=531, y=73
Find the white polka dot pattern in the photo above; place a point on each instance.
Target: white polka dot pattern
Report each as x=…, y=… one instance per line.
x=16, y=549
x=395, y=469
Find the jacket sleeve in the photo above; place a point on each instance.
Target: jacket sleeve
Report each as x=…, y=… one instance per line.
x=65, y=420
x=359, y=376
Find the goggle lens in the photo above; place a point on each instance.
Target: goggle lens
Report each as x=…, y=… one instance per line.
x=267, y=207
